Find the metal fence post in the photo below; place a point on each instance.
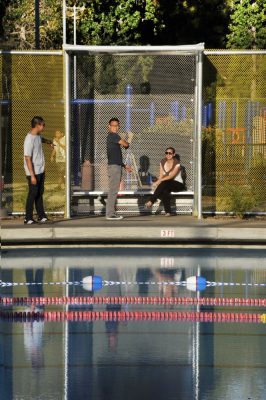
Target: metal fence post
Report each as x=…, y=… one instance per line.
x=198, y=146
x=1, y=176
x=67, y=129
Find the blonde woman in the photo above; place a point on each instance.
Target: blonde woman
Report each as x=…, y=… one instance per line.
x=59, y=155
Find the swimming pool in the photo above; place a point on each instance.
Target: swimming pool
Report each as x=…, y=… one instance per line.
x=142, y=335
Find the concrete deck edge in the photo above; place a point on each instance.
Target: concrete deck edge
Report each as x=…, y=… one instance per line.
x=133, y=234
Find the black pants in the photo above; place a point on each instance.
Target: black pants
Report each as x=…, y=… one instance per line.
x=35, y=197
x=164, y=190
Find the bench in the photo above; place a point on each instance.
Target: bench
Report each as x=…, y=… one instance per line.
x=129, y=202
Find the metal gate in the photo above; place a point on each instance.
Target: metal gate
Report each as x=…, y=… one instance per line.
x=155, y=92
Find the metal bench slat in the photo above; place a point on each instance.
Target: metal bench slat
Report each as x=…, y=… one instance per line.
x=127, y=193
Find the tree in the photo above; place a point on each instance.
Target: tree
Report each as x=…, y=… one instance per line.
x=126, y=22
x=248, y=25
x=98, y=22
x=19, y=24
x=118, y=22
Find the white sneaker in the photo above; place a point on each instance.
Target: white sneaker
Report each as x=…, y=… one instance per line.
x=29, y=221
x=114, y=217
x=42, y=220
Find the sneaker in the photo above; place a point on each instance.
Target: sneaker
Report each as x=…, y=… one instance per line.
x=43, y=220
x=29, y=221
x=114, y=217
x=167, y=215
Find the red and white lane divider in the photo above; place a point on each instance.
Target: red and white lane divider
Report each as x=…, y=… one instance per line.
x=208, y=301
x=54, y=316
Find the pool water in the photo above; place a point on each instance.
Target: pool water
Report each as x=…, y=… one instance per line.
x=132, y=347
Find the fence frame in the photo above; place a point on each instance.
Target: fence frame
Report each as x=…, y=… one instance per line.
x=232, y=52
x=196, y=50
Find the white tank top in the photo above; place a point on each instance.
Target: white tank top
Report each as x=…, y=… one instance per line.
x=178, y=177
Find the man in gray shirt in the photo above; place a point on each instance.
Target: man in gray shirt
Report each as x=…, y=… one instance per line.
x=34, y=165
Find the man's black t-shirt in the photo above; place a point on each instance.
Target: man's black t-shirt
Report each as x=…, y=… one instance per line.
x=114, y=153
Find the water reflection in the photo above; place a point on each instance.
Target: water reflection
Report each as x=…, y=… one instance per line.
x=33, y=330
x=143, y=275
x=111, y=327
x=33, y=342
x=131, y=359
x=35, y=276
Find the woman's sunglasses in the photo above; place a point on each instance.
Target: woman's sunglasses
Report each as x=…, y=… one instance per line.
x=169, y=152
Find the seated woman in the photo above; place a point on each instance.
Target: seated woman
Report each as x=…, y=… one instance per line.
x=170, y=180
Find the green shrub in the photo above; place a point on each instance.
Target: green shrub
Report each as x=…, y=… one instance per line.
x=239, y=200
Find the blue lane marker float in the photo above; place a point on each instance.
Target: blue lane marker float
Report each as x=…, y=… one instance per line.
x=96, y=282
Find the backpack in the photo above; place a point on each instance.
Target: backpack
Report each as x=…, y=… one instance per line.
x=183, y=171
x=183, y=175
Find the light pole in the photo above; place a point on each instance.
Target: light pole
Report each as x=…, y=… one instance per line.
x=74, y=9
x=37, y=25
x=64, y=21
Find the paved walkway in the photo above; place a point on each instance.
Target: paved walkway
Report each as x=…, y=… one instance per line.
x=137, y=229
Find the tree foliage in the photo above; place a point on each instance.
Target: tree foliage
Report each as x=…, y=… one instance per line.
x=98, y=22
x=154, y=22
x=117, y=22
x=248, y=25
x=19, y=24
x=131, y=22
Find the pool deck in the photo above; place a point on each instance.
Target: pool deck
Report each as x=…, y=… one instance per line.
x=145, y=230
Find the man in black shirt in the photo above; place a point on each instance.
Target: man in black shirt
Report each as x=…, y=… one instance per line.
x=115, y=164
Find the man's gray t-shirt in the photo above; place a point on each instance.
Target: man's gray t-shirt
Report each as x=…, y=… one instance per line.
x=33, y=149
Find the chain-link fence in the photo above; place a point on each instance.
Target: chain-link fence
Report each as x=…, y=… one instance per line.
x=234, y=132
x=31, y=84
x=154, y=98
